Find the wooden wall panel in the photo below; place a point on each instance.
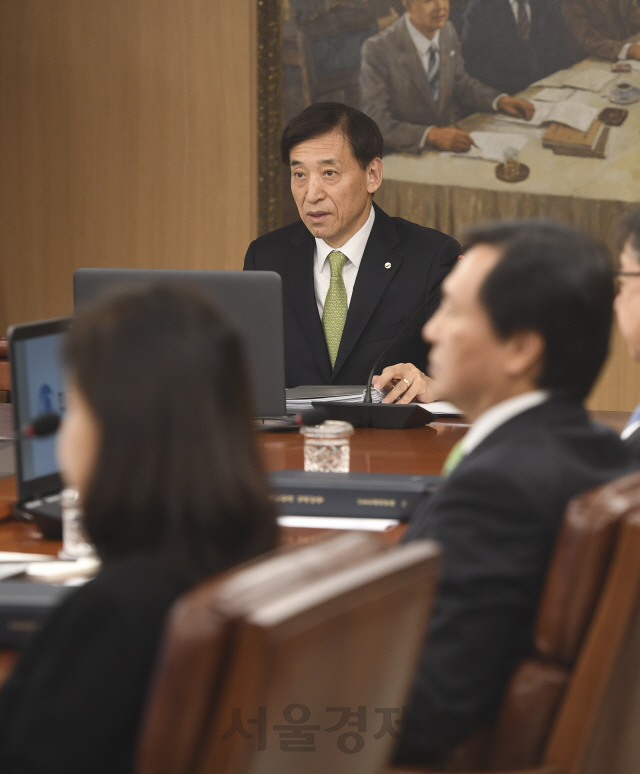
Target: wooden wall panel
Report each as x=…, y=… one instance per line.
x=127, y=138
x=618, y=388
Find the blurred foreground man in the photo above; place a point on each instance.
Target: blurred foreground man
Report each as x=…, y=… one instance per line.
x=517, y=343
x=627, y=306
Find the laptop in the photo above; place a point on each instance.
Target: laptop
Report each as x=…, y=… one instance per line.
x=251, y=300
x=38, y=385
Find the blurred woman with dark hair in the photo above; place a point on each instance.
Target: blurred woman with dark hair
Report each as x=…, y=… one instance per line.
x=157, y=438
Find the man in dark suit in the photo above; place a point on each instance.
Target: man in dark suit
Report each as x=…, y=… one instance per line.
x=604, y=28
x=510, y=44
x=517, y=342
x=413, y=82
x=627, y=306
x=351, y=275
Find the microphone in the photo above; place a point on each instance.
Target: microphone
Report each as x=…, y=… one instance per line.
x=43, y=425
x=314, y=416
x=393, y=416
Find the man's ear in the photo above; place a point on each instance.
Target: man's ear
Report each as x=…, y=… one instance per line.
x=524, y=355
x=374, y=175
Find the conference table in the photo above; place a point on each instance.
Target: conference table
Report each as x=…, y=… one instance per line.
x=417, y=451
x=421, y=450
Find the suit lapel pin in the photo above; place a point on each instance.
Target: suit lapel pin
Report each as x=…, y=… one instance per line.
x=387, y=265
x=452, y=52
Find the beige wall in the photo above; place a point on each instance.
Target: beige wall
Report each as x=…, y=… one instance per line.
x=618, y=388
x=127, y=138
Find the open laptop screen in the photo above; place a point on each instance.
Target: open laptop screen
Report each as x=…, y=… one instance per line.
x=252, y=300
x=38, y=384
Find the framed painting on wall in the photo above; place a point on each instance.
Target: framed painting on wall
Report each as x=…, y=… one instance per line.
x=575, y=61
x=584, y=82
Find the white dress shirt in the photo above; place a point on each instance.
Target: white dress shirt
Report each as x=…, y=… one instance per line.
x=422, y=43
x=624, y=51
x=629, y=430
x=497, y=415
x=514, y=8
x=353, y=248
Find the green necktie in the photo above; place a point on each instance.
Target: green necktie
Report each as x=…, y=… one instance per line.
x=335, y=305
x=456, y=455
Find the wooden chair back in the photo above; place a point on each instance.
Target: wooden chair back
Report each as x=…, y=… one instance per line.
x=573, y=707
x=588, y=580
x=318, y=676
x=596, y=729
x=200, y=637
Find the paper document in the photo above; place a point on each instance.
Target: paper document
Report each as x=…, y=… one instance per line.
x=572, y=114
x=337, y=522
x=300, y=398
x=552, y=94
x=57, y=572
x=492, y=145
x=441, y=408
x=589, y=80
x=11, y=569
x=18, y=556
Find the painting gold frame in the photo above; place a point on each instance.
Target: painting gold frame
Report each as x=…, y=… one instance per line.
x=270, y=101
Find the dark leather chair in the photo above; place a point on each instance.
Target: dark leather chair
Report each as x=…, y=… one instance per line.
x=573, y=707
x=339, y=624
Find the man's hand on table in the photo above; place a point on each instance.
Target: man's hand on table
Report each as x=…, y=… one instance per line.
x=406, y=384
x=516, y=107
x=634, y=51
x=449, y=138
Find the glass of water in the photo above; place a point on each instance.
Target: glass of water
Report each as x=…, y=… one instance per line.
x=326, y=446
x=75, y=542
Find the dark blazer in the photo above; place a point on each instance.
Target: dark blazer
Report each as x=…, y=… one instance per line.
x=382, y=300
x=602, y=27
x=73, y=704
x=495, y=53
x=395, y=90
x=496, y=518
x=633, y=442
